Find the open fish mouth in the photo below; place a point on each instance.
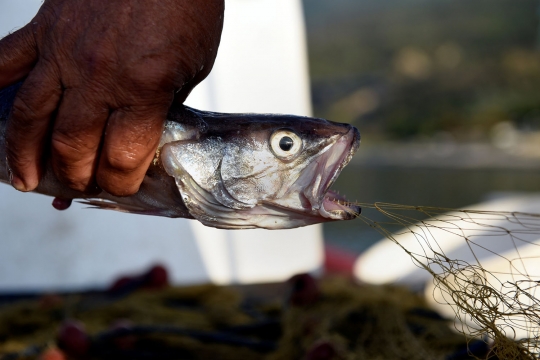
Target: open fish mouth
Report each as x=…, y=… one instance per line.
x=336, y=206
x=326, y=202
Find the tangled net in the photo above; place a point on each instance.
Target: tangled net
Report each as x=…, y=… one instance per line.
x=492, y=287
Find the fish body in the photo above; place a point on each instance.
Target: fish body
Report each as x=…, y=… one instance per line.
x=231, y=171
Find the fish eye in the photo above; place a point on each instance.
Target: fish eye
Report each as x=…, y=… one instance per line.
x=285, y=144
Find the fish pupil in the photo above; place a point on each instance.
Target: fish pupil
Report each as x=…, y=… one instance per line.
x=286, y=143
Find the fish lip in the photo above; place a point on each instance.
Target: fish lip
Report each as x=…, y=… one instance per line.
x=337, y=207
x=345, y=159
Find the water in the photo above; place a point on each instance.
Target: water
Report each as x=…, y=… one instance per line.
x=440, y=187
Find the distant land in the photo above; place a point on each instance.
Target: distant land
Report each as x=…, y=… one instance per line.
x=402, y=69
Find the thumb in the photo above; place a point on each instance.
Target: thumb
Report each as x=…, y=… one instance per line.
x=18, y=54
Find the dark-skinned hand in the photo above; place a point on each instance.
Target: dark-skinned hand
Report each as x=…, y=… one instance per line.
x=100, y=76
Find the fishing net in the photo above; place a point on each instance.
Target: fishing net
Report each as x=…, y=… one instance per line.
x=485, y=267
x=306, y=318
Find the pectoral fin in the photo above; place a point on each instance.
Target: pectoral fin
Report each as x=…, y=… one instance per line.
x=112, y=205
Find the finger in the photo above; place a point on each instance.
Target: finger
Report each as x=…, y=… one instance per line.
x=27, y=129
x=76, y=139
x=129, y=146
x=18, y=54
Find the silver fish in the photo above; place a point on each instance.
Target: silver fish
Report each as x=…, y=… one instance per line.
x=231, y=171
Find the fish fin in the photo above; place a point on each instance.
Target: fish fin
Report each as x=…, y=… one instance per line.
x=111, y=205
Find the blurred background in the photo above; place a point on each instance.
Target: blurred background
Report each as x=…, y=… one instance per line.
x=446, y=95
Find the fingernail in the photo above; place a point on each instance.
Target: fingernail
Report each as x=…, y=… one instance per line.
x=17, y=183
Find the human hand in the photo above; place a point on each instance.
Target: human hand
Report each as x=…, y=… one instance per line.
x=100, y=78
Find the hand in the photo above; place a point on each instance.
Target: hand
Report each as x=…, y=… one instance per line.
x=100, y=77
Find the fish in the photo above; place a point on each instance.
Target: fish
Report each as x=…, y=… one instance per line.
x=229, y=171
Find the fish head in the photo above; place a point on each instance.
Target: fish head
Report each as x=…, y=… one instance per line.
x=262, y=171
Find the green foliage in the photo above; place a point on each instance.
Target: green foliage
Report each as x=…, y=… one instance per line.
x=406, y=68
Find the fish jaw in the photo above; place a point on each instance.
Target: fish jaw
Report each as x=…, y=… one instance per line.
x=311, y=193
x=330, y=204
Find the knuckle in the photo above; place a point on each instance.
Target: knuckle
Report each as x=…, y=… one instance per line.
x=68, y=147
x=125, y=162
x=31, y=109
x=63, y=147
x=23, y=109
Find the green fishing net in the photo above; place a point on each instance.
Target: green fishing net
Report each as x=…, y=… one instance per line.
x=329, y=319
x=485, y=267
